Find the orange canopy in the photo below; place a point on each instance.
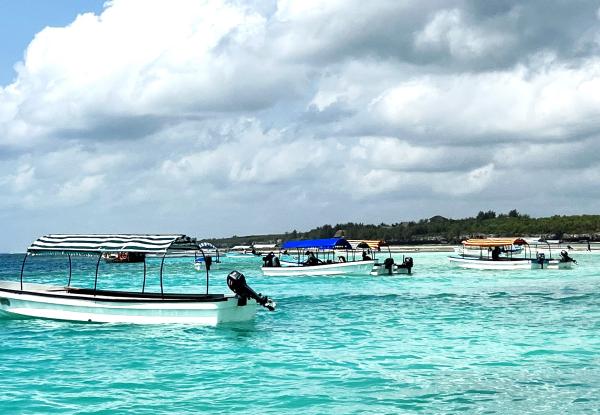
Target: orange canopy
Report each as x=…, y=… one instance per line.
x=373, y=244
x=494, y=242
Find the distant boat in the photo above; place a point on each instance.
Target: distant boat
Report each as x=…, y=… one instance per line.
x=210, y=256
x=503, y=254
x=389, y=265
x=243, y=251
x=318, y=257
x=116, y=306
x=120, y=257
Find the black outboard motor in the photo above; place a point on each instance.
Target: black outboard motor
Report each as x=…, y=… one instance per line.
x=564, y=257
x=388, y=264
x=407, y=263
x=541, y=259
x=208, y=262
x=237, y=283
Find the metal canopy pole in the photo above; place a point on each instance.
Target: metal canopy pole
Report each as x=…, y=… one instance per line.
x=161, y=273
x=144, y=283
x=206, y=267
x=96, y=279
x=69, y=283
x=22, y=268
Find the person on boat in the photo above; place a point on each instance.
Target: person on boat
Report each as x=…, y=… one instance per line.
x=589, y=246
x=365, y=257
x=496, y=253
x=254, y=252
x=311, y=260
x=268, y=259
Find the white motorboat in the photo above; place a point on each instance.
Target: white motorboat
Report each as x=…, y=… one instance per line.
x=243, y=251
x=317, y=257
x=501, y=254
x=388, y=266
x=115, y=306
x=210, y=260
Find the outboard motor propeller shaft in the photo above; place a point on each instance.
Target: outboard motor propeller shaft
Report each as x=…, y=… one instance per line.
x=541, y=258
x=237, y=283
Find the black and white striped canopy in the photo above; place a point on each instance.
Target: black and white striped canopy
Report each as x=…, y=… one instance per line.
x=207, y=246
x=97, y=243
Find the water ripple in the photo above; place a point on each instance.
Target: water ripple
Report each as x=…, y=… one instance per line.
x=442, y=341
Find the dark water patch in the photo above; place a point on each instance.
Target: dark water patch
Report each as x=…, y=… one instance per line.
x=535, y=294
x=500, y=294
x=580, y=400
x=425, y=366
x=572, y=385
x=461, y=400
x=481, y=392
x=498, y=364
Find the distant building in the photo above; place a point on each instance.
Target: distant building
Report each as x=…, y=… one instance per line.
x=437, y=218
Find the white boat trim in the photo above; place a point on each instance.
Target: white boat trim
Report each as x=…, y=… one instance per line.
x=336, y=268
x=484, y=263
x=508, y=264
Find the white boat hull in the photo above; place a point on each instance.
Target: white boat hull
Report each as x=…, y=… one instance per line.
x=336, y=268
x=56, y=303
x=556, y=264
x=506, y=264
x=476, y=263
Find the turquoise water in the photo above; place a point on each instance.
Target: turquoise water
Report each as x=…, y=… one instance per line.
x=444, y=340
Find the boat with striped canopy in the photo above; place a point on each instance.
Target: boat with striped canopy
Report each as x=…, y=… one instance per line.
x=211, y=258
x=116, y=306
x=505, y=254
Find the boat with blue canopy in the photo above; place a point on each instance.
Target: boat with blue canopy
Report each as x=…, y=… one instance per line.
x=98, y=305
x=330, y=256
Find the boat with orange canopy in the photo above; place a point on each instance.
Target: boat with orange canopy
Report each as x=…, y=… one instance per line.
x=506, y=253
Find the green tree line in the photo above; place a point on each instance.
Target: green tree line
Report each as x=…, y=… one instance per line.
x=439, y=229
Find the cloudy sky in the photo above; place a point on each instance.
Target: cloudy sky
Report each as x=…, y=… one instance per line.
x=215, y=118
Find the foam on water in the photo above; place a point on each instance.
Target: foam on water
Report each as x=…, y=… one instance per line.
x=443, y=340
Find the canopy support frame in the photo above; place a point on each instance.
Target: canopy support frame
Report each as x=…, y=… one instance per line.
x=70, y=271
x=144, y=281
x=96, y=278
x=162, y=263
x=23, y=268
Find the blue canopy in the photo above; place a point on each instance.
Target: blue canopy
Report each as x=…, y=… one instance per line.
x=330, y=243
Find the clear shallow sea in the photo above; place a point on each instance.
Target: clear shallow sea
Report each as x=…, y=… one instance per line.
x=445, y=340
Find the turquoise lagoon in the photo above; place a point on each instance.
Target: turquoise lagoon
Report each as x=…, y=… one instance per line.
x=445, y=340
